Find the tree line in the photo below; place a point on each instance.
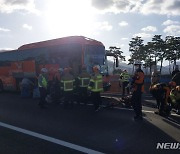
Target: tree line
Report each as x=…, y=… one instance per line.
x=157, y=50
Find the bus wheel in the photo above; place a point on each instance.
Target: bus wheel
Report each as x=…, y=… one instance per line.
x=1, y=86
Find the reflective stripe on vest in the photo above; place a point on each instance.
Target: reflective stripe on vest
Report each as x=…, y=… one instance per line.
x=84, y=82
x=125, y=76
x=43, y=83
x=97, y=84
x=68, y=85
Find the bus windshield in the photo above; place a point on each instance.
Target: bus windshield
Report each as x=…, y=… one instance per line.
x=94, y=55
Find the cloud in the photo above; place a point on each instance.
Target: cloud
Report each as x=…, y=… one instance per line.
x=26, y=26
x=149, y=29
x=4, y=29
x=124, y=38
x=99, y=4
x=172, y=30
x=143, y=35
x=123, y=24
x=122, y=45
x=103, y=26
x=9, y=6
x=163, y=7
x=170, y=22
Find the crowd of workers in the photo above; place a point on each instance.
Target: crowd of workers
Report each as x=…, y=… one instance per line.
x=85, y=87
x=68, y=86
x=167, y=95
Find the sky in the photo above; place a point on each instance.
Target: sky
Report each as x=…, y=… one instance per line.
x=113, y=22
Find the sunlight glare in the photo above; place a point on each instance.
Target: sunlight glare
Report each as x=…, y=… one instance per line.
x=70, y=17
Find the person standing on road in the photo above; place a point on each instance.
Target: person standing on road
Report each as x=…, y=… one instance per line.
x=138, y=88
x=83, y=81
x=42, y=84
x=96, y=87
x=124, y=76
x=26, y=87
x=67, y=85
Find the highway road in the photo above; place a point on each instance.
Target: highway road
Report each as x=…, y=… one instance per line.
x=25, y=128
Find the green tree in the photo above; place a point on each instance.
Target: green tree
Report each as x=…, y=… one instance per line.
x=117, y=52
x=149, y=52
x=159, y=49
x=172, y=49
x=136, y=48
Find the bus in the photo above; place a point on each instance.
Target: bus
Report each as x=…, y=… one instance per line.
x=28, y=59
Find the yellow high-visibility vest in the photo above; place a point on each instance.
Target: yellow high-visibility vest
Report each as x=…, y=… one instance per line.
x=68, y=85
x=96, y=85
x=84, y=82
x=43, y=82
x=125, y=77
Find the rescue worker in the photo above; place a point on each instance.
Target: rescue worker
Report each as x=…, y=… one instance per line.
x=138, y=88
x=175, y=98
x=67, y=86
x=96, y=87
x=58, y=75
x=26, y=87
x=55, y=90
x=42, y=84
x=83, y=82
x=124, y=76
x=161, y=92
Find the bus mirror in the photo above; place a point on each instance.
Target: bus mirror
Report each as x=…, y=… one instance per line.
x=117, y=62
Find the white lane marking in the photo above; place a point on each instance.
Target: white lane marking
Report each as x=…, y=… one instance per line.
x=51, y=139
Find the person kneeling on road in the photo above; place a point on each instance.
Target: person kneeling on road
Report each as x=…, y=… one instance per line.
x=161, y=92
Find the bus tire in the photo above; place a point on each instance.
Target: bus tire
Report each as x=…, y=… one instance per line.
x=1, y=87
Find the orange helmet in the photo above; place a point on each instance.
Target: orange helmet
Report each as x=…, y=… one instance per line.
x=172, y=83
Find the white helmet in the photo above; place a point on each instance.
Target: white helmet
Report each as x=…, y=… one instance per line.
x=60, y=69
x=44, y=70
x=137, y=62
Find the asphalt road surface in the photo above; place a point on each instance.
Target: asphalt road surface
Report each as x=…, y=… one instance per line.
x=25, y=128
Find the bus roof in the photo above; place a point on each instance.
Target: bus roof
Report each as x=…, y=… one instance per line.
x=64, y=40
x=7, y=51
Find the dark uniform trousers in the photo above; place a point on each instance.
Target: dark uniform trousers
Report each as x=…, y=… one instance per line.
x=136, y=101
x=68, y=98
x=96, y=98
x=43, y=94
x=83, y=95
x=124, y=86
